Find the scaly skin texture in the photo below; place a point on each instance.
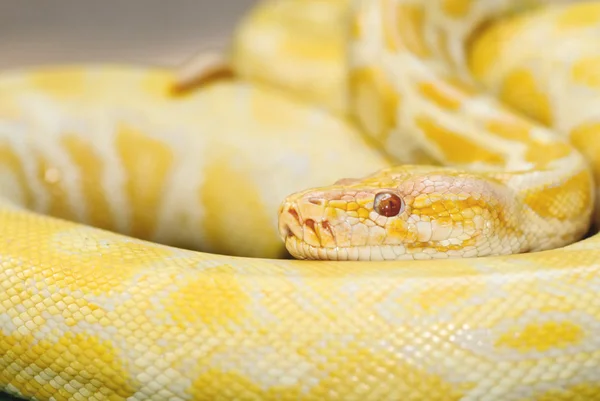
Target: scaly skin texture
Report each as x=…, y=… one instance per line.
x=88, y=314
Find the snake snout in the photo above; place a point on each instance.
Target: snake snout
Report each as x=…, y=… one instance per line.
x=302, y=221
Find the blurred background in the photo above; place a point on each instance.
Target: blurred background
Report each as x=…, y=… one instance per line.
x=157, y=32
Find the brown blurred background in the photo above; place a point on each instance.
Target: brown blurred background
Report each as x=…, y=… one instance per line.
x=155, y=32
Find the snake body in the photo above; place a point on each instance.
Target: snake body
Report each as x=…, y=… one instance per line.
x=90, y=314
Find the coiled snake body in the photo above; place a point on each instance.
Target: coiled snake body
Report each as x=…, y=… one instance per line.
x=89, y=314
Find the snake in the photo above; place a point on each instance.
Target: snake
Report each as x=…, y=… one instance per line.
x=435, y=187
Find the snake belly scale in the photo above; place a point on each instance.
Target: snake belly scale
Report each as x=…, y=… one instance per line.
x=89, y=314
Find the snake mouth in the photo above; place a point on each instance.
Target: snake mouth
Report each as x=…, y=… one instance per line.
x=299, y=249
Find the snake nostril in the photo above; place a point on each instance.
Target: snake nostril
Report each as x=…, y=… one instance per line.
x=316, y=201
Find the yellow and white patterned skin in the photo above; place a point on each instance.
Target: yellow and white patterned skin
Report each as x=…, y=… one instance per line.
x=558, y=85
x=298, y=46
x=88, y=314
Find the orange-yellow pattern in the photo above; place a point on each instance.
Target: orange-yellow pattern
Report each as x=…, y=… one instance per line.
x=78, y=367
x=220, y=285
x=91, y=166
x=542, y=336
x=147, y=163
x=521, y=90
x=550, y=202
x=455, y=148
x=410, y=27
x=457, y=8
x=378, y=100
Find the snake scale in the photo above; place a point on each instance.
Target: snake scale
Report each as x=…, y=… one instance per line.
x=140, y=249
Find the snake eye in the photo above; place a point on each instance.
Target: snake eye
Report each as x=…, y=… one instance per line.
x=388, y=204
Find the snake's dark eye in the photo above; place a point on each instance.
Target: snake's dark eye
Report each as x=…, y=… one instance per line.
x=388, y=204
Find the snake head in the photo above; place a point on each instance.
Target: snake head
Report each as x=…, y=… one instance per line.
x=408, y=212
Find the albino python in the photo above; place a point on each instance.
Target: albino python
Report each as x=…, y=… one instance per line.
x=503, y=305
